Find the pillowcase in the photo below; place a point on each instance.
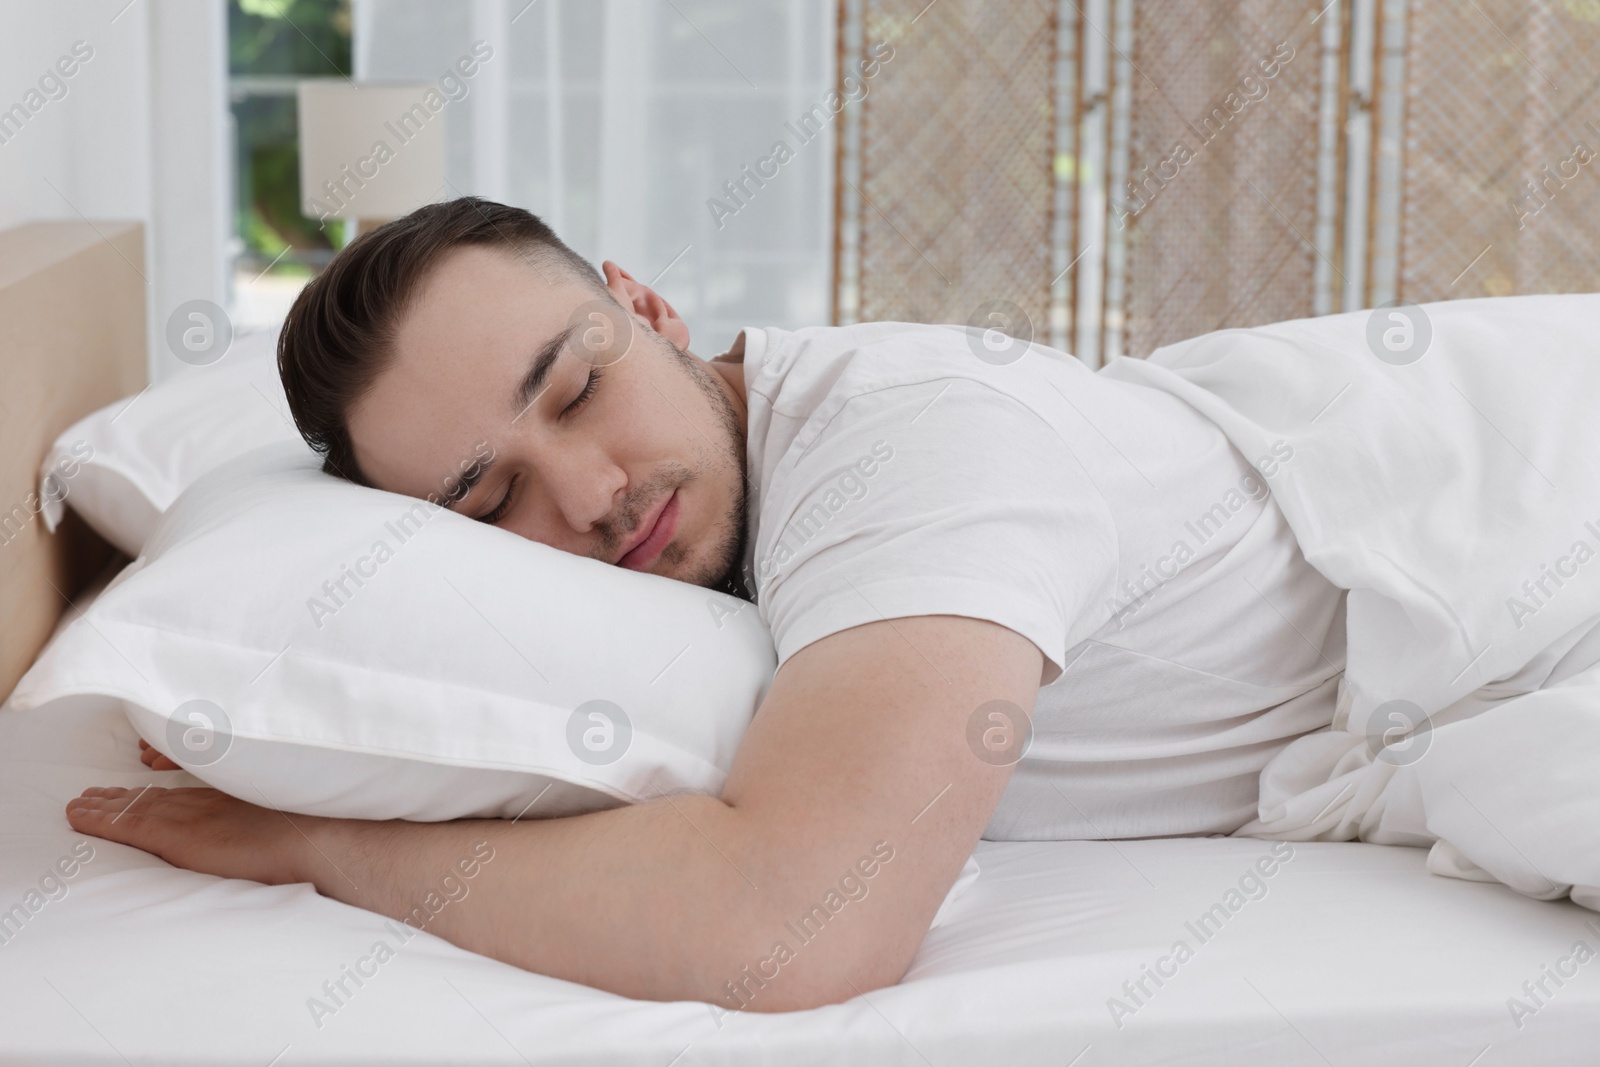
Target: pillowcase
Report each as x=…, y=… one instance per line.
x=319, y=647
x=123, y=466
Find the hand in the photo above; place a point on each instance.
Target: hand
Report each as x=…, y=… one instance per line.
x=198, y=829
x=153, y=759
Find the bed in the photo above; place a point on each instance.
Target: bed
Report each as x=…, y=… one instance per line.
x=1061, y=953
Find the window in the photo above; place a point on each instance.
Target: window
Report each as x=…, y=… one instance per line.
x=276, y=249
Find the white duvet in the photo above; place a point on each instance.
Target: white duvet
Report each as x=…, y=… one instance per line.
x=1457, y=497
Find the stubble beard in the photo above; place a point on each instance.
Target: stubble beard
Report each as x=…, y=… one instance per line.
x=724, y=569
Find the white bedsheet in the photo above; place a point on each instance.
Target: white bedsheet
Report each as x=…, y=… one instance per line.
x=1354, y=955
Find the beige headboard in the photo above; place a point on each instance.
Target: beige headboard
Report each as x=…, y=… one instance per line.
x=72, y=339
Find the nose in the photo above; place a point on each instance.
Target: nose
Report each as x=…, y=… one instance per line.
x=586, y=488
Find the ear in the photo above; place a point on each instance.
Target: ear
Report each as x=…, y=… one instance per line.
x=646, y=304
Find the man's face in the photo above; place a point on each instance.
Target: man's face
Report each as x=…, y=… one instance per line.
x=626, y=448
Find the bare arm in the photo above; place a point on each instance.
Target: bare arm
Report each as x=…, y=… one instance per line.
x=858, y=761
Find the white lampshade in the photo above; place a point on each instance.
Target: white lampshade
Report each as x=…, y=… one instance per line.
x=371, y=151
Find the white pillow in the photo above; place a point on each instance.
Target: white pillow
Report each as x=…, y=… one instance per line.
x=124, y=465
x=319, y=647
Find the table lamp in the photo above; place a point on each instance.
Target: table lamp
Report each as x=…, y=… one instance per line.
x=369, y=152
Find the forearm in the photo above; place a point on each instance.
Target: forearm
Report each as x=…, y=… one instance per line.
x=663, y=900
x=812, y=878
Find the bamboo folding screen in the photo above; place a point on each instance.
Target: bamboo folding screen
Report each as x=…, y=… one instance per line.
x=1503, y=124
x=1120, y=174
x=970, y=85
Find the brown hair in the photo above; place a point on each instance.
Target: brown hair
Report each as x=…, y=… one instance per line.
x=339, y=334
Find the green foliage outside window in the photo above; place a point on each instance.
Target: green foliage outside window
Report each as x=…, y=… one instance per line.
x=271, y=43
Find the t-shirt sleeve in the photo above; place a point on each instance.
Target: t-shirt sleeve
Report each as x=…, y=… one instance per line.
x=942, y=497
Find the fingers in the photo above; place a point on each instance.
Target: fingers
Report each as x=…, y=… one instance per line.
x=113, y=796
x=99, y=804
x=198, y=829
x=153, y=759
x=100, y=810
x=109, y=791
x=113, y=792
x=93, y=808
x=118, y=813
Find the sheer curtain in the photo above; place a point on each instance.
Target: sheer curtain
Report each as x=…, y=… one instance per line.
x=622, y=122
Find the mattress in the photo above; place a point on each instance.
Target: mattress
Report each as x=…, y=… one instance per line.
x=1055, y=955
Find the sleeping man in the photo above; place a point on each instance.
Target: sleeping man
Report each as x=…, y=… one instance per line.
x=966, y=548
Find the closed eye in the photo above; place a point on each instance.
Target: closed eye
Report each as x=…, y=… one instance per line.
x=578, y=401
x=583, y=397
x=501, y=508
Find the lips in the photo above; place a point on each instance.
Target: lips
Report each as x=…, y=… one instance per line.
x=657, y=529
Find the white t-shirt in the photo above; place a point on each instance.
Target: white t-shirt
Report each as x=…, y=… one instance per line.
x=895, y=472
